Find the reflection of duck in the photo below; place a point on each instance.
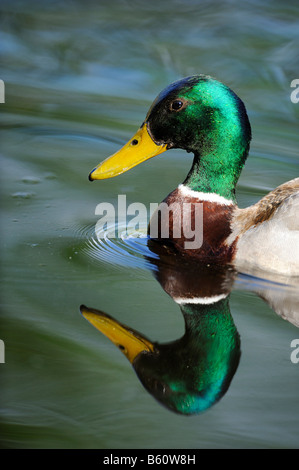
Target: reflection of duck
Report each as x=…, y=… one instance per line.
x=190, y=374
x=186, y=280
x=280, y=293
x=284, y=301
x=203, y=116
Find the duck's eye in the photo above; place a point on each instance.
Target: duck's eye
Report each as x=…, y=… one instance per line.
x=176, y=105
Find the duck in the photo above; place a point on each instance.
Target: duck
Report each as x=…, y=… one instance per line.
x=203, y=116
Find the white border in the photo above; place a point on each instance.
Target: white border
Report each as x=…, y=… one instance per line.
x=200, y=300
x=210, y=197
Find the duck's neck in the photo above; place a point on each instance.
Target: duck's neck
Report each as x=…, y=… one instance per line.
x=220, y=146
x=212, y=325
x=209, y=174
x=215, y=343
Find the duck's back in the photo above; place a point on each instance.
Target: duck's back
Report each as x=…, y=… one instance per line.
x=268, y=232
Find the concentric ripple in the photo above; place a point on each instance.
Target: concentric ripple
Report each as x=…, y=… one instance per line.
x=127, y=249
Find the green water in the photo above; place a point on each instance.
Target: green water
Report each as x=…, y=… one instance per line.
x=79, y=78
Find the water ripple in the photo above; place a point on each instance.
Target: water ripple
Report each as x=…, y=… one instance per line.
x=127, y=250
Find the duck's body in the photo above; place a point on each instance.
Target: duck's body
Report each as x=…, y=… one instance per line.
x=267, y=233
x=237, y=236
x=203, y=116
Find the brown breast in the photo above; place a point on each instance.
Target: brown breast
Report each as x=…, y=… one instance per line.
x=196, y=227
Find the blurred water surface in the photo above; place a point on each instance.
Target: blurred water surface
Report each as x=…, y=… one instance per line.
x=79, y=78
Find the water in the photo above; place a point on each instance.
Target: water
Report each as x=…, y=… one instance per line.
x=79, y=79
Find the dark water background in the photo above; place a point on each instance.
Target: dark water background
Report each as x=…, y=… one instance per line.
x=79, y=78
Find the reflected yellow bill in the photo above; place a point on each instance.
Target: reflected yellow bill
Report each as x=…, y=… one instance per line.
x=129, y=341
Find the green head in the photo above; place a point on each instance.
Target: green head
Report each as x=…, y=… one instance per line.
x=205, y=117
x=198, y=114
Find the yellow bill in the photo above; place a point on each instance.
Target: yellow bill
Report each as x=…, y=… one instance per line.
x=129, y=341
x=140, y=148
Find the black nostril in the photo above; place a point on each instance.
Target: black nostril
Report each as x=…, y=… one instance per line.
x=134, y=142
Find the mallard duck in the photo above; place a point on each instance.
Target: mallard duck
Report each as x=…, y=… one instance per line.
x=205, y=117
